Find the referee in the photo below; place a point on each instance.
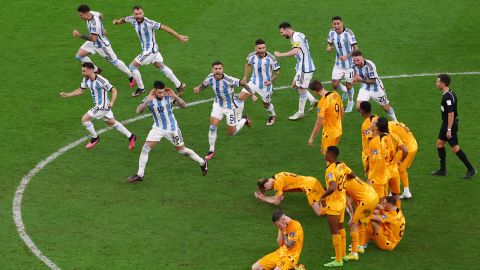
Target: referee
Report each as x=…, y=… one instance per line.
x=449, y=129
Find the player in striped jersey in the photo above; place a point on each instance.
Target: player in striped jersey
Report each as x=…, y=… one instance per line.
x=345, y=43
x=304, y=67
x=371, y=84
x=145, y=29
x=159, y=102
x=97, y=42
x=223, y=104
x=99, y=88
x=265, y=71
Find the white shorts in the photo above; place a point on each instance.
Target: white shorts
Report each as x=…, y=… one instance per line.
x=339, y=73
x=106, y=52
x=365, y=95
x=174, y=137
x=100, y=113
x=265, y=93
x=147, y=57
x=218, y=112
x=302, y=80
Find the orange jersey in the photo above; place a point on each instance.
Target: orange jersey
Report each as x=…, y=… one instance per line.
x=330, y=107
x=359, y=190
x=377, y=160
x=402, y=131
x=337, y=172
x=367, y=133
x=393, y=225
x=288, y=182
x=293, y=232
x=392, y=143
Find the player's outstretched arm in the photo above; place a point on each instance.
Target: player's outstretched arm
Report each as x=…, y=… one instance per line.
x=199, y=88
x=316, y=130
x=75, y=92
x=248, y=69
x=292, y=52
x=172, y=32
x=119, y=21
x=90, y=37
x=247, y=87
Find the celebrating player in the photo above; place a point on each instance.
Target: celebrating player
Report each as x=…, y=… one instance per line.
x=366, y=112
x=304, y=68
x=99, y=88
x=159, y=102
x=345, y=43
x=145, y=29
x=224, y=104
x=97, y=42
x=290, y=182
x=265, y=71
x=290, y=242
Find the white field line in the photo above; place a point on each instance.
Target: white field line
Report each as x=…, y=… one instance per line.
x=17, y=200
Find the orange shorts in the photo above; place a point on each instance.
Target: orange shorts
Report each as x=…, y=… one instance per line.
x=364, y=210
x=315, y=193
x=334, y=211
x=272, y=260
x=327, y=141
x=380, y=189
x=408, y=160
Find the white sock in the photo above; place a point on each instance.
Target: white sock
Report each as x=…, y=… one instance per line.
x=391, y=113
x=310, y=97
x=342, y=87
x=271, y=110
x=240, y=125
x=192, y=155
x=212, y=137
x=302, y=99
x=89, y=126
x=169, y=73
x=239, y=110
x=122, y=67
x=406, y=190
x=122, y=129
x=136, y=75
x=86, y=59
x=142, y=161
x=350, y=93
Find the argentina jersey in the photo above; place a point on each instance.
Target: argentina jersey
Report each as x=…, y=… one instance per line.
x=162, y=113
x=343, y=44
x=95, y=26
x=304, y=59
x=224, y=89
x=262, y=69
x=145, y=32
x=369, y=71
x=99, y=88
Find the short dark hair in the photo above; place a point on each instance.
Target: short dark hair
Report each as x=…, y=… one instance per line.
x=382, y=124
x=277, y=215
x=259, y=41
x=357, y=53
x=217, y=63
x=444, y=78
x=337, y=18
x=284, y=25
x=316, y=85
x=137, y=7
x=83, y=8
x=158, y=85
x=366, y=106
x=88, y=65
x=261, y=184
x=392, y=200
x=334, y=150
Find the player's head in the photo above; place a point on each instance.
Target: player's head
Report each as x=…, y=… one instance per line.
x=389, y=203
x=381, y=124
x=159, y=89
x=280, y=219
x=265, y=184
x=83, y=12
x=365, y=108
x=260, y=47
x=357, y=58
x=217, y=68
x=87, y=69
x=316, y=86
x=443, y=80
x=331, y=155
x=286, y=30
x=337, y=24
x=138, y=13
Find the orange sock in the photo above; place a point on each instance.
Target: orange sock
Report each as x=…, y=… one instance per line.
x=399, y=203
x=361, y=233
x=343, y=234
x=404, y=178
x=337, y=245
x=355, y=238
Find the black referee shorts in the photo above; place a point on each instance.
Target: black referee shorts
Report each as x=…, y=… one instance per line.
x=442, y=135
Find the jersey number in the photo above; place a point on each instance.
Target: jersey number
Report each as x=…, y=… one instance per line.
x=402, y=230
x=337, y=110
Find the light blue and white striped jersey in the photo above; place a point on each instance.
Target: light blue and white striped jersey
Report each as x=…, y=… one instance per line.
x=263, y=68
x=145, y=32
x=99, y=88
x=224, y=89
x=369, y=71
x=95, y=26
x=343, y=44
x=304, y=58
x=162, y=112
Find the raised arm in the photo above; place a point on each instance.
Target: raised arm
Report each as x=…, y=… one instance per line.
x=73, y=93
x=144, y=104
x=172, y=32
x=180, y=102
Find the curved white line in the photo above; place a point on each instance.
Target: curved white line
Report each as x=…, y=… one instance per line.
x=17, y=200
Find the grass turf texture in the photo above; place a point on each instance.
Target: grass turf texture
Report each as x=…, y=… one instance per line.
x=82, y=215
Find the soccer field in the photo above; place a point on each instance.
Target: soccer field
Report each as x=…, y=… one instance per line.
x=79, y=210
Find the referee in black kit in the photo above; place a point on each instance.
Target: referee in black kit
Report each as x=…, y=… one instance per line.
x=449, y=129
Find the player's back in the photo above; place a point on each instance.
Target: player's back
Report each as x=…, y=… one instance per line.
x=304, y=59
x=394, y=226
x=405, y=134
x=359, y=190
x=330, y=106
x=292, y=182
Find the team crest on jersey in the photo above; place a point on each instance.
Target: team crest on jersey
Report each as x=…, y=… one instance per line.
x=384, y=216
x=329, y=175
x=375, y=152
x=367, y=132
x=292, y=234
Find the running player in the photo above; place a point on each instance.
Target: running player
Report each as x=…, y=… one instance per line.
x=290, y=182
x=99, y=88
x=290, y=242
x=371, y=84
x=366, y=112
x=304, y=67
x=265, y=71
x=145, y=29
x=345, y=43
x=97, y=42
x=224, y=104
x=159, y=102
